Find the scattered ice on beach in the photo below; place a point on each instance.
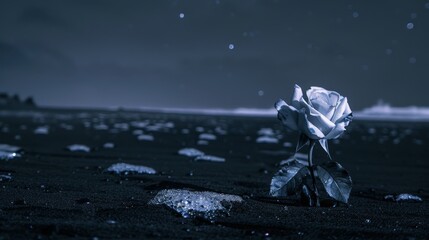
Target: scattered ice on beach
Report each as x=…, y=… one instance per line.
x=209, y=158
x=207, y=136
x=8, y=152
x=220, y=131
x=267, y=139
x=372, y=130
x=185, y=131
x=266, y=132
x=101, y=126
x=125, y=168
x=109, y=145
x=5, y=178
x=195, y=204
x=42, y=130
x=78, y=148
x=202, y=142
x=403, y=197
x=145, y=137
x=287, y=144
x=190, y=152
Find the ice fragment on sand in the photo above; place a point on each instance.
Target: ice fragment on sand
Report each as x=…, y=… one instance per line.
x=195, y=204
x=209, y=158
x=267, y=139
x=8, y=152
x=190, y=152
x=109, y=145
x=266, y=132
x=125, y=168
x=138, y=132
x=403, y=197
x=78, y=148
x=202, y=142
x=41, y=130
x=5, y=178
x=145, y=137
x=287, y=144
x=207, y=136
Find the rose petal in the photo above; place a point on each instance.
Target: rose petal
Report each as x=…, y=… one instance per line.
x=308, y=128
x=323, y=100
x=337, y=131
x=342, y=107
x=287, y=114
x=317, y=119
x=296, y=98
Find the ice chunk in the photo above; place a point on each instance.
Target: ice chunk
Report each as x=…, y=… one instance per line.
x=266, y=132
x=220, y=131
x=209, y=158
x=78, y=148
x=145, y=137
x=101, y=126
x=207, y=136
x=8, y=152
x=138, y=132
x=109, y=145
x=403, y=197
x=195, y=204
x=121, y=126
x=4, y=178
x=202, y=142
x=125, y=168
x=287, y=144
x=66, y=126
x=190, y=152
x=42, y=130
x=267, y=139
x=185, y=131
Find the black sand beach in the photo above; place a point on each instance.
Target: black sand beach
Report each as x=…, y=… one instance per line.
x=55, y=193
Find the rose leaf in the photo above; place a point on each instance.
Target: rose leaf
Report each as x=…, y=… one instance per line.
x=289, y=179
x=336, y=180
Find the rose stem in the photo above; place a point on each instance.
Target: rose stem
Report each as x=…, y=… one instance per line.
x=311, y=167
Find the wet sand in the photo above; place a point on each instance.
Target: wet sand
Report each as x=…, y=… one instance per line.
x=55, y=193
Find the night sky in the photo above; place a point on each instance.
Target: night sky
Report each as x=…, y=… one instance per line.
x=213, y=54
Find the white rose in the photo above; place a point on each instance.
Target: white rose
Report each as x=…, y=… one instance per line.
x=324, y=116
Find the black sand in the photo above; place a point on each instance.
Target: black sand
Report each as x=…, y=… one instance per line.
x=59, y=194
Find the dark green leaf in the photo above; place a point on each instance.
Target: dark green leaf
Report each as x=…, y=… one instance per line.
x=288, y=180
x=336, y=180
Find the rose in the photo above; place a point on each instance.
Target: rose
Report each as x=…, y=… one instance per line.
x=324, y=116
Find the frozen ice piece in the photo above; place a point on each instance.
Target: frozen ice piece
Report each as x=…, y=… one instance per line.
x=287, y=144
x=138, y=132
x=101, y=126
x=403, y=197
x=4, y=178
x=8, y=152
x=267, y=139
x=190, y=152
x=42, y=130
x=145, y=137
x=207, y=136
x=78, y=148
x=121, y=126
x=266, y=132
x=109, y=145
x=9, y=148
x=209, y=158
x=195, y=204
x=125, y=168
x=202, y=142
